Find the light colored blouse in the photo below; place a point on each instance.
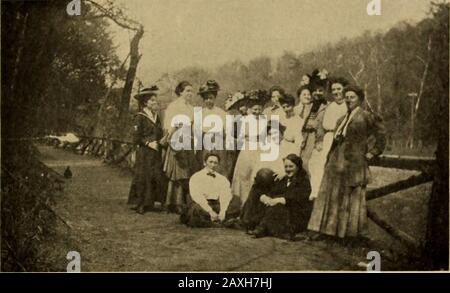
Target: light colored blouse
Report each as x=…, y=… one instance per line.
x=178, y=107
x=204, y=187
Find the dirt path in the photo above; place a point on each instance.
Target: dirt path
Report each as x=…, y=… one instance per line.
x=111, y=237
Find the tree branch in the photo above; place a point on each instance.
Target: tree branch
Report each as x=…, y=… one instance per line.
x=116, y=15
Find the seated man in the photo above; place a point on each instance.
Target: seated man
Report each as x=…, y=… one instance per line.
x=210, y=193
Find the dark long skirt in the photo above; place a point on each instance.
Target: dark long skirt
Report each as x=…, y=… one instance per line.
x=279, y=220
x=149, y=182
x=178, y=167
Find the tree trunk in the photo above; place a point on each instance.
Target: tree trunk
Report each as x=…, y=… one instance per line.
x=436, y=250
x=134, y=60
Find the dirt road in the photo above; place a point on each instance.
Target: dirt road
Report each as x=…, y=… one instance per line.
x=111, y=237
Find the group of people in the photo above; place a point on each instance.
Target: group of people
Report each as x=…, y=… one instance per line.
x=317, y=183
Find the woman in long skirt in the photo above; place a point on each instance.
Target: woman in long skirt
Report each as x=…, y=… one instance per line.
x=237, y=106
x=245, y=164
x=325, y=134
x=148, y=182
x=213, y=137
x=179, y=165
x=340, y=208
x=318, y=86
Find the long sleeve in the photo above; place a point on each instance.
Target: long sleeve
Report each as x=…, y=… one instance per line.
x=377, y=135
x=138, y=135
x=196, y=191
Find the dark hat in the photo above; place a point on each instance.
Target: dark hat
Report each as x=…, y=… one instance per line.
x=146, y=93
x=257, y=97
x=235, y=100
x=319, y=79
x=211, y=86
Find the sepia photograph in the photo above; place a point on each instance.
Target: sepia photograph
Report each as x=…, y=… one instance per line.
x=225, y=136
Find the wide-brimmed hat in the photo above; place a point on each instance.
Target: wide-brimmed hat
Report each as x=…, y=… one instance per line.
x=234, y=100
x=147, y=92
x=257, y=97
x=319, y=78
x=211, y=86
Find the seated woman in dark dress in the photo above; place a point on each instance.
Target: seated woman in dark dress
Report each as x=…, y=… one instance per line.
x=279, y=208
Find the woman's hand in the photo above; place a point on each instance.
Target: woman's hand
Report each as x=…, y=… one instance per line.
x=278, y=176
x=153, y=145
x=277, y=200
x=264, y=199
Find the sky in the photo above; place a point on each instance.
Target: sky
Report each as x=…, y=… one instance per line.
x=208, y=33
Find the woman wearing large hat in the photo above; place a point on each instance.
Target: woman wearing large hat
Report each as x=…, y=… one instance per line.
x=340, y=208
x=325, y=132
x=208, y=92
x=318, y=86
x=247, y=159
x=148, y=182
x=236, y=105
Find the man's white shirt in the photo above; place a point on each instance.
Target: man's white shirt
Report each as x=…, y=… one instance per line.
x=204, y=187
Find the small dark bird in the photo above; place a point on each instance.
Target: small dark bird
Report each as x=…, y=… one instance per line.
x=68, y=173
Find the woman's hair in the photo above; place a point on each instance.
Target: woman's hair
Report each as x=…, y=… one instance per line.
x=341, y=80
x=211, y=154
x=295, y=159
x=143, y=100
x=287, y=99
x=302, y=88
x=181, y=86
x=205, y=95
x=357, y=90
x=276, y=88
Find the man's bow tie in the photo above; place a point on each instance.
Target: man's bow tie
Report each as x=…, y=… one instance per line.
x=211, y=174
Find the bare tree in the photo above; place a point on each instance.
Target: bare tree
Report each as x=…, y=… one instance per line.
x=117, y=15
x=417, y=97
